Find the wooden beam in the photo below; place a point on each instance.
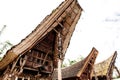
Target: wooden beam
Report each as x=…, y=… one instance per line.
x=16, y=77
x=96, y=78
x=117, y=70
x=6, y=77
x=28, y=78
x=22, y=64
x=45, y=58
x=28, y=68
x=23, y=78
x=59, y=23
x=59, y=56
x=91, y=63
x=14, y=64
x=59, y=70
x=55, y=30
x=7, y=69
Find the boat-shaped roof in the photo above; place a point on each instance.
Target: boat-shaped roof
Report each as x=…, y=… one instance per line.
x=103, y=68
x=78, y=68
x=66, y=16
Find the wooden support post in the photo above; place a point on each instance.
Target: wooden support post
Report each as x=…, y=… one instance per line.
x=16, y=77
x=59, y=56
x=95, y=74
x=28, y=78
x=59, y=70
x=23, y=78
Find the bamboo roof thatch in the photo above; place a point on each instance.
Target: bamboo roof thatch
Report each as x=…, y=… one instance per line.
x=64, y=16
x=104, y=68
x=78, y=69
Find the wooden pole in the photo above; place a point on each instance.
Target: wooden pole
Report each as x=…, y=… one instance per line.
x=59, y=56
x=59, y=70
x=95, y=74
x=16, y=77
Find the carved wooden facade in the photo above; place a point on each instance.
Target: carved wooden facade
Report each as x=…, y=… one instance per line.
x=104, y=70
x=81, y=70
x=35, y=57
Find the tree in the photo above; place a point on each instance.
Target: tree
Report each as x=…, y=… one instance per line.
x=1, y=31
x=71, y=62
x=4, y=46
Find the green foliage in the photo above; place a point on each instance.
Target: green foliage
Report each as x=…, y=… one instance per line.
x=71, y=62
x=1, y=31
x=4, y=46
x=64, y=65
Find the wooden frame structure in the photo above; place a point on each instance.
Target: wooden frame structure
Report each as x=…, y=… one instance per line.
x=104, y=70
x=81, y=70
x=36, y=56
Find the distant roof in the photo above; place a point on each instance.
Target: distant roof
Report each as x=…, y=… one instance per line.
x=72, y=70
x=103, y=68
x=76, y=69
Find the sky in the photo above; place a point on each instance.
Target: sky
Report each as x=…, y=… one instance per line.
x=99, y=25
